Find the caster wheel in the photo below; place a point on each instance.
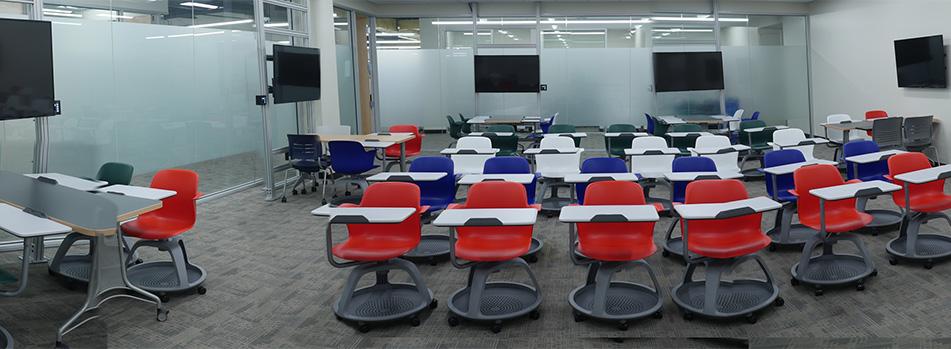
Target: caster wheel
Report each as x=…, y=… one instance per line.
x=50, y=271
x=874, y=273
x=665, y=253
x=138, y=261
x=161, y=315
x=622, y=326
x=453, y=321
x=860, y=287
x=534, y=315
x=794, y=282
x=751, y=318
x=618, y=340
x=818, y=292
x=658, y=315
x=531, y=258
x=201, y=290
x=414, y=321
x=61, y=345
x=496, y=328
x=313, y=189
x=433, y=304
x=893, y=261
x=688, y=316
x=294, y=192
x=338, y=317
x=283, y=199
x=363, y=327
x=432, y=262
x=929, y=265
x=164, y=297
x=579, y=317
x=779, y=301
x=303, y=191
x=772, y=247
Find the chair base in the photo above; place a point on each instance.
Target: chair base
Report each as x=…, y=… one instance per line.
x=928, y=249
x=717, y=299
x=494, y=301
x=532, y=255
x=553, y=204
x=797, y=236
x=752, y=174
x=431, y=248
x=383, y=301
x=674, y=247
x=6, y=340
x=161, y=276
x=831, y=269
x=619, y=301
x=73, y=268
x=882, y=219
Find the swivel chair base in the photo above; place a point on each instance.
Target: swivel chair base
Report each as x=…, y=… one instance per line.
x=496, y=301
x=6, y=340
x=431, y=249
x=741, y=298
x=163, y=277
x=532, y=255
x=673, y=246
x=880, y=218
x=553, y=203
x=831, y=269
x=383, y=301
x=919, y=248
x=620, y=301
x=786, y=234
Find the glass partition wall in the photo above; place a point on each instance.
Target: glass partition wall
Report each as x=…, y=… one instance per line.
x=17, y=137
x=598, y=70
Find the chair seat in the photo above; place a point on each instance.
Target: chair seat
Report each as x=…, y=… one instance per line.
x=435, y=203
x=506, y=152
x=376, y=248
x=606, y=244
x=363, y=170
x=927, y=202
x=155, y=227
x=494, y=247
x=786, y=196
x=722, y=246
x=838, y=221
x=309, y=165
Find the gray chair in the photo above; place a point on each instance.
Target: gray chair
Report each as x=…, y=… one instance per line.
x=918, y=132
x=886, y=132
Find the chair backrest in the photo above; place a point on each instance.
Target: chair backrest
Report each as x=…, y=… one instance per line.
x=599, y=165
x=561, y=163
x=332, y=130
x=701, y=232
x=790, y=136
x=562, y=128
x=511, y=165
x=684, y=128
x=909, y=162
x=390, y=194
x=500, y=128
x=615, y=193
x=755, y=116
x=813, y=177
x=918, y=130
x=436, y=193
x=414, y=145
x=455, y=128
x=684, y=142
x=739, y=113
x=874, y=170
x=653, y=164
x=181, y=206
x=886, y=132
x=115, y=173
x=689, y=164
x=349, y=157
x=650, y=123
x=875, y=114
x=616, y=145
x=724, y=162
x=546, y=123
x=779, y=158
x=836, y=136
x=497, y=195
x=752, y=139
x=473, y=142
x=466, y=127
x=304, y=147
x=471, y=163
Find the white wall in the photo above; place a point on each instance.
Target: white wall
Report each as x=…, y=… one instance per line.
x=853, y=59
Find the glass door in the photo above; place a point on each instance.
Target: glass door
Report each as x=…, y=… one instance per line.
x=346, y=79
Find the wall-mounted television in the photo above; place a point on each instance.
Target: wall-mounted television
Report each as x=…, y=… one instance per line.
x=296, y=74
x=688, y=71
x=506, y=74
x=921, y=62
x=26, y=69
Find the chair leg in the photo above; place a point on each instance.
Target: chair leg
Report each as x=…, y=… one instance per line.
x=712, y=287
x=807, y=250
x=64, y=247
x=176, y=250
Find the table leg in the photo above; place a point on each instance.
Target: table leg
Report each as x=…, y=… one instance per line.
x=108, y=280
x=403, y=157
x=37, y=255
x=24, y=271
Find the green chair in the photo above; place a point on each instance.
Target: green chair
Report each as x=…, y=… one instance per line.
x=683, y=143
x=115, y=173
x=507, y=145
x=466, y=127
x=757, y=141
x=615, y=145
x=455, y=129
x=565, y=128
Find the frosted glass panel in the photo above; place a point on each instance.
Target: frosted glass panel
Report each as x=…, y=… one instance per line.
x=421, y=87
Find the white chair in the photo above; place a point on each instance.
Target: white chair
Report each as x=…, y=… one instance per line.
x=471, y=163
x=785, y=138
x=332, y=130
x=725, y=161
x=653, y=166
x=836, y=139
x=734, y=126
x=553, y=168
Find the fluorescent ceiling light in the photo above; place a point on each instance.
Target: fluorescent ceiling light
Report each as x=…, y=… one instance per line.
x=480, y=33
x=180, y=35
x=664, y=34
x=401, y=47
x=657, y=37
x=209, y=33
x=397, y=41
x=559, y=33
x=154, y=37
x=272, y=25
x=679, y=30
x=570, y=21
x=698, y=19
x=56, y=11
x=56, y=14
x=221, y=24
x=113, y=15
x=340, y=24
x=503, y=32
x=66, y=23
x=395, y=34
x=198, y=4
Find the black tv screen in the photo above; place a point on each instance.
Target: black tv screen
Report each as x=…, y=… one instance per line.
x=688, y=71
x=26, y=69
x=921, y=62
x=296, y=74
x=506, y=74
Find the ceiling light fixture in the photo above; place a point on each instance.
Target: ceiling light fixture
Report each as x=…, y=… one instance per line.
x=198, y=4
x=221, y=24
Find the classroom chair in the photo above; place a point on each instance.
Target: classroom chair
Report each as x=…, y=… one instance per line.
x=551, y=168
x=918, y=134
x=455, y=130
x=508, y=145
x=413, y=146
x=922, y=202
x=615, y=145
x=350, y=159
x=726, y=158
x=785, y=138
x=565, y=128
x=517, y=165
x=683, y=143
x=757, y=141
x=674, y=245
x=875, y=114
x=784, y=233
x=598, y=165
x=471, y=163
x=305, y=155
x=869, y=172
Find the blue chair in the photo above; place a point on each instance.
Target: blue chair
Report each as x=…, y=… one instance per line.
x=512, y=165
x=350, y=159
x=545, y=124
x=689, y=164
x=305, y=154
x=436, y=194
x=755, y=116
x=599, y=165
x=650, y=123
x=784, y=233
x=866, y=172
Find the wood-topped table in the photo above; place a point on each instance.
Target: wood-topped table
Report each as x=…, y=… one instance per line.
x=376, y=141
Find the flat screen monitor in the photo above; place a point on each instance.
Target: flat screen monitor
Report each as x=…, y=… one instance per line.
x=688, y=71
x=26, y=69
x=921, y=62
x=506, y=74
x=296, y=74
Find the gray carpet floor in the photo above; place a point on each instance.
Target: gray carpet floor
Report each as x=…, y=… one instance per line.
x=270, y=286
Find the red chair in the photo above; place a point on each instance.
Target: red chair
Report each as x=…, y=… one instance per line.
x=489, y=249
x=162, y=229
x=833, y=220
x=721, y=244
x=875, y=114
x=922, y=202
x=612, y=247
x=413, y=147
x=377, y=248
